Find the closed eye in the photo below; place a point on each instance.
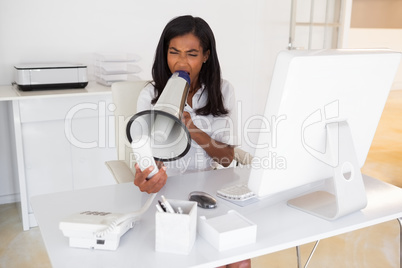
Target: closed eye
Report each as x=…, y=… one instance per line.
x=192, y=52
x=173, y=50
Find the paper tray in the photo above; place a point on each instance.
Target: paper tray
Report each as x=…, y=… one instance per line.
x=227, y=231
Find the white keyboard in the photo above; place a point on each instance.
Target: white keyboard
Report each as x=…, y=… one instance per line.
x=238, y=192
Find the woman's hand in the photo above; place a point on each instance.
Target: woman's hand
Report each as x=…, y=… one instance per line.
x=154, y=184
x=188, y=122
x=219, y=151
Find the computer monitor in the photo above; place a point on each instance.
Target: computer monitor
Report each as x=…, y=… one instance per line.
x=321, y=115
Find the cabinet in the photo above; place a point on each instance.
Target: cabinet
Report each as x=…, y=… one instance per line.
x=62, y=143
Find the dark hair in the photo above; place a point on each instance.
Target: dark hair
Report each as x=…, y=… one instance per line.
x=210, y=74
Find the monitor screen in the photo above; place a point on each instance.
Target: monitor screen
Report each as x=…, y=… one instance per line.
x=310, y=89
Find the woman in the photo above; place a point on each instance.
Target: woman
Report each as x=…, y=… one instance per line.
x=188, y=44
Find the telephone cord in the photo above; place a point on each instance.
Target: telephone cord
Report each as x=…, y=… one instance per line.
x=128, y=216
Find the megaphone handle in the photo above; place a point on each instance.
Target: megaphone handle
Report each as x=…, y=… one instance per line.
x=144, y=158
x=146, y=164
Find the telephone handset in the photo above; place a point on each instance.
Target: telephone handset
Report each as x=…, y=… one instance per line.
x=100, y=230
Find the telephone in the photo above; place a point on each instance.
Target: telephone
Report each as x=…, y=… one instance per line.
x=100, y=230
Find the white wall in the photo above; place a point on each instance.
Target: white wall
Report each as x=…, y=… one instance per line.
x=249, y=34
x=378, y=38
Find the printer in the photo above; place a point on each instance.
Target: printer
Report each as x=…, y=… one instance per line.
x=50, y=76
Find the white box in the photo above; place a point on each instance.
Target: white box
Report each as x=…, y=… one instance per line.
x=176, y=233
x=227, y=231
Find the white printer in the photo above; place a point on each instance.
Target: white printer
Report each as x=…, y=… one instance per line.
x=50, y=76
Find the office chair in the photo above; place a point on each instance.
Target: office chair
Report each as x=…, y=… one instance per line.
x=124, y=96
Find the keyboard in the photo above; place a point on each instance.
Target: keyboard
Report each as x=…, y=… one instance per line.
x=238, y=192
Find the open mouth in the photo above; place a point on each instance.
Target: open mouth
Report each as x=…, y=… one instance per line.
x=184, y=71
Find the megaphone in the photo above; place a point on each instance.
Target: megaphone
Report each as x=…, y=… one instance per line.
x=160, y=131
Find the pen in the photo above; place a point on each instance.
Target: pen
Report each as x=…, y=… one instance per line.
x=167, y=204
x=159, y=208
x=179, y=210
x=163, y=207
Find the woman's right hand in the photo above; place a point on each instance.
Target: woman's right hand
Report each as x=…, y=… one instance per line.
x=154, y=184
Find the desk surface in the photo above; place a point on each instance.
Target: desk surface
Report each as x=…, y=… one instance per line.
x=278, y=226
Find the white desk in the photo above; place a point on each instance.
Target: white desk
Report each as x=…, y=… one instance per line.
x=278, y=226
x=46, y=160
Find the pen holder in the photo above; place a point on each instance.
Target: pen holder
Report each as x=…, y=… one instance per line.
x=175, y=233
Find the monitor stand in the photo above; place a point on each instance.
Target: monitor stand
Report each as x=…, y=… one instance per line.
x=348, y=193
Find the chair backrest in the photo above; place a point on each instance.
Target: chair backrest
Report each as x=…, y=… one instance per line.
x=125, y=95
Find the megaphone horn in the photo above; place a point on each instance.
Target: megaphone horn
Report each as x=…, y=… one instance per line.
x=169, y=137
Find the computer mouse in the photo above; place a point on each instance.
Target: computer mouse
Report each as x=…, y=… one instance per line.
x=204, y=200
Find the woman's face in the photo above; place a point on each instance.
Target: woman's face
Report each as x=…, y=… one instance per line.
x=186, y=54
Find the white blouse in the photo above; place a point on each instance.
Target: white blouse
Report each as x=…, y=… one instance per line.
x=220, y=128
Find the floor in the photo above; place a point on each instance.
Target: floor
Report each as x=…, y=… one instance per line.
x=376, y=246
